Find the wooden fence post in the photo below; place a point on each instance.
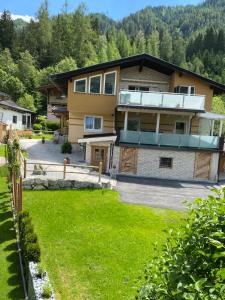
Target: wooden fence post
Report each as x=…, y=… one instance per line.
x=25, y=168
x=64, y=168
x=20, y=194
x=100, y=172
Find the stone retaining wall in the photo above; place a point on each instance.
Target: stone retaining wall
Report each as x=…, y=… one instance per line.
x=38, y=184
x=36, y=284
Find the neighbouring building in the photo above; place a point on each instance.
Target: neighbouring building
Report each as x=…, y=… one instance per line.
x=13, y=115
x=143, y=116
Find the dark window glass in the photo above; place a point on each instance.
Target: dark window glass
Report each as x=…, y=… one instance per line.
x=165, y=162
x=24, y=120
x=80, y=86
x=110, y=85
x=95, y=85
x=14, y=119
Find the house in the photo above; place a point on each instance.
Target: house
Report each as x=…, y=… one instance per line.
x=13, y=115
x=143, y=116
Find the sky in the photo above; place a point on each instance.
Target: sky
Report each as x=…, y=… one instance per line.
x=116, y=9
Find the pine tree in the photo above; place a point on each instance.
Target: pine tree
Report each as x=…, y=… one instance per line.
x=153, y=44
x=7, y=32
x=166, y=46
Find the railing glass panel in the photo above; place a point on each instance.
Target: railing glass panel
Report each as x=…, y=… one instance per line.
x=167, y=139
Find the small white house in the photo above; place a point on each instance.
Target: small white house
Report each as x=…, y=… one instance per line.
x=14, y=115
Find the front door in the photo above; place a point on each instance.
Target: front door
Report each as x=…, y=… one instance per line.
x=99, y=154
x=128, y=160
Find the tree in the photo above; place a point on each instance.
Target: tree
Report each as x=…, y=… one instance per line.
x=166, y=46
x=11, y=85
x=102, y=49
x=179, y=56
x=153, y=44
x=123, y=44
x=139, y=43
x=112, y=50
x=27, y=101
x=7, y=63
x=7, y=33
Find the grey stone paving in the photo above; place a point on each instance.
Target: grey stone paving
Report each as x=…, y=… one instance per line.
x=160, y=193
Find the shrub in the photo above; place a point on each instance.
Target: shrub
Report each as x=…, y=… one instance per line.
x=37, y=127
x=192, y=265
x=32, y=252
x=30, y=237
x=66, y=147
x=52, y=125
x=47, y=291
x=40, y=271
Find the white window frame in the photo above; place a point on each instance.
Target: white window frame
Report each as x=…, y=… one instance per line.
x=75, y=83
x=93, y=130
x=189, y=89
x=181, y=121
x=114, y=82
x=89, y=85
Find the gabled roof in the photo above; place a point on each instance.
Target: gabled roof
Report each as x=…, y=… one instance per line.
x=9, y=104
x=142, y=60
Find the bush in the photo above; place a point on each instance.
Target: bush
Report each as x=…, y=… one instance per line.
x=52, y=125
x=47, y=291
x=192, y=265
x=66, y=147
x=37, y=127
x=40, y=271
x=32, y=252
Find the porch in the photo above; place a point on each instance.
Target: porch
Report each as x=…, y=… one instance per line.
x=167, y=129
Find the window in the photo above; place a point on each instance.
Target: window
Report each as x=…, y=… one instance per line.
x=15, y=119
x=93, y=123
x=138, y=88
x=28, y=121
x=190, y=90
x=166, y=162
x=110, y=83
x=80, y=85
x=95, y=84
x=180, y=127
x=24, y=119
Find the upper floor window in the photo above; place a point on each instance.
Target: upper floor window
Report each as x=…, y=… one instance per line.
x=95, y=84
x=110, y=83
x=181, y=89
x=92, y=123
x=24, y=119
x=80, y=85
x=15, y=119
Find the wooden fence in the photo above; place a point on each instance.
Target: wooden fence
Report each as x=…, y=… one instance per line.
x=63, y=168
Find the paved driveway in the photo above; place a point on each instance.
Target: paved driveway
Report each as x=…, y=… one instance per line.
x=160, y=193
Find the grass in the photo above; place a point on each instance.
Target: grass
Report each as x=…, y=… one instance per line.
x=47, y=136
x=2, y=150
x=94, y=246
x=10, y=282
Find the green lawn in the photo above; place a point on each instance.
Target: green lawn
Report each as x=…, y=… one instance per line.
x=10, y=281
x=94, y=246
x=47, y=136
x=2, y=150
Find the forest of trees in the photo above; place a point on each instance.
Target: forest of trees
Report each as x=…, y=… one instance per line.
x=190, y=36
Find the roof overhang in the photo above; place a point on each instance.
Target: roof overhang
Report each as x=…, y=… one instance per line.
x=89, y=140
x=141, y=60
x=211, y=116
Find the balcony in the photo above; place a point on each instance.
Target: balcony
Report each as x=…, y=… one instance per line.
x=162, y=100
x=169, y=140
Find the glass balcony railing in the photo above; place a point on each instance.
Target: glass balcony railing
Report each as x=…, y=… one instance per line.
x=169, y=139
x=163, y=100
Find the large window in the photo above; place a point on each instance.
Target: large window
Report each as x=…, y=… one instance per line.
x=24, y=119
x=80, y=85
x=93, y=123
x=181, y=89
x=166, y=162
x=95, y=84
x=15, y=119
x=110, y=83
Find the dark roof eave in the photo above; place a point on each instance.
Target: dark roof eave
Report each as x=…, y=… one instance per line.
x=17, y=109
x=162, y=108
x=123, y=62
